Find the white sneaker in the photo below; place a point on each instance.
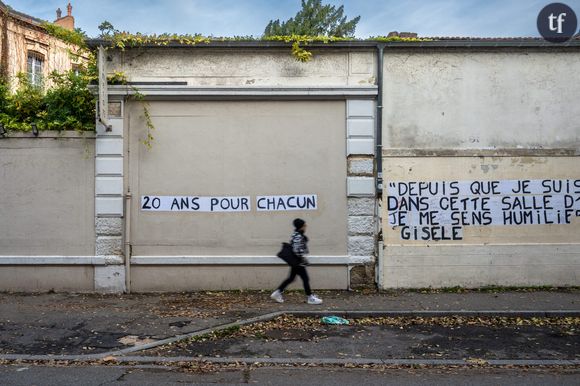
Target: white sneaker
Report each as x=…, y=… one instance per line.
x=313, y=299
x=277, y=296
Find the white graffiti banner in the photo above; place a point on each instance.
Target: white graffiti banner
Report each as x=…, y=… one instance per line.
x=438, y=210
x=277, y=203
x=228, y=204
x=195, y=204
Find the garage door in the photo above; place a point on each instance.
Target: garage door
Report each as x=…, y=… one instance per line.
x=241, y=149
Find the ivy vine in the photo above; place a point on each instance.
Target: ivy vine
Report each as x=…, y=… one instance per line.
x=119, y=77
x=146, y=115
x=298, y=43
x=69, y=36
x=387, y=39
x=125, y=39
x=69, y=104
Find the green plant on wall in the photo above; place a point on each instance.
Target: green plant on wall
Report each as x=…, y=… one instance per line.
x=119, y=78
x=66, y=105
x=74, y=37
x=27, y=103
x=25, y=106
x=4, y=97
x=69, y=104
x=147, y=116
x=299, y=42
x=391, y=39
x=125, y=39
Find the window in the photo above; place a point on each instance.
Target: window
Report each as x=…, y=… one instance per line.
x=35, y=67
x=76, y=69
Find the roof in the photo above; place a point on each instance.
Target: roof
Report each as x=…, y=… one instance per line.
x=21, y=15
x=429, y=42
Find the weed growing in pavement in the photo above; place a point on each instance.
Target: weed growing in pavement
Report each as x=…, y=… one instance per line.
x=486, y=289
x=260, y=330
x=215, y=335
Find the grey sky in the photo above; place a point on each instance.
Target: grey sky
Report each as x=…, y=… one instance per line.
x=249, y=17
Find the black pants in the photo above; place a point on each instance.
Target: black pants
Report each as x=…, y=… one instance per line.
x=300, y=271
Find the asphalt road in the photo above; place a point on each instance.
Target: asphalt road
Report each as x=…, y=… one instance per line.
x=108, y=375
x=82, y=324
x=307, y=338
x=87, y=323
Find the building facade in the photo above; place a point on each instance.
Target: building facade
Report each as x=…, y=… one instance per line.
x=27, y=48
x=431, y=164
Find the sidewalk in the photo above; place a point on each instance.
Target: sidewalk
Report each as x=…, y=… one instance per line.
x=75, y=324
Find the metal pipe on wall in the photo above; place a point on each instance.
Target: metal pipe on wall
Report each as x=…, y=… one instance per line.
x=379, y=118
x=128, y=242
x=379, y=163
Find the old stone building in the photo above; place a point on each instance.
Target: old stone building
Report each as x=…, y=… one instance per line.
x=26, y=47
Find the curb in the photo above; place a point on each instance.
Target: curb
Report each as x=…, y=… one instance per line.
x=129, y=360
x=162, y=342
x=120, y=354
x=487, y=313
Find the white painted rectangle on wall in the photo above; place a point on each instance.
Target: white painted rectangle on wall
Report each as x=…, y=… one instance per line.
x=109, y=206
x=360, y=127
x=287, y=202
x=360, y=108
x=195, y=204
x=109, y=146
x=360, y=146
x=109, y=165
x=360, y=186
x=109, y=185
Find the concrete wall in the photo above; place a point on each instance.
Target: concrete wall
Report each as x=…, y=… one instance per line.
x=159, y=278
x=468, y=116
x=238, y=149
x=33, y=278
x=47, y=211
x=295, y=145
x=530, y=254
x=460, y=115
x=235, y=67
x=47, y=185
x=470, y=99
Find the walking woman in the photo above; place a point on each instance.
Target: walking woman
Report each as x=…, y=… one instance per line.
x=299, y=243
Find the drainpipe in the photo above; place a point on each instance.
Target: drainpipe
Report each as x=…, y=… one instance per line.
x=379, y=117
x=128, y=251
x=379, y=160
x=128, y=197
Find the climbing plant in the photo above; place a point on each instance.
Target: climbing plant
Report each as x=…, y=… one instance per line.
x=68, y=103
x=148, y=141
x=73, y=37
x=299, y=43
x=125, y=39
x=388, y=39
